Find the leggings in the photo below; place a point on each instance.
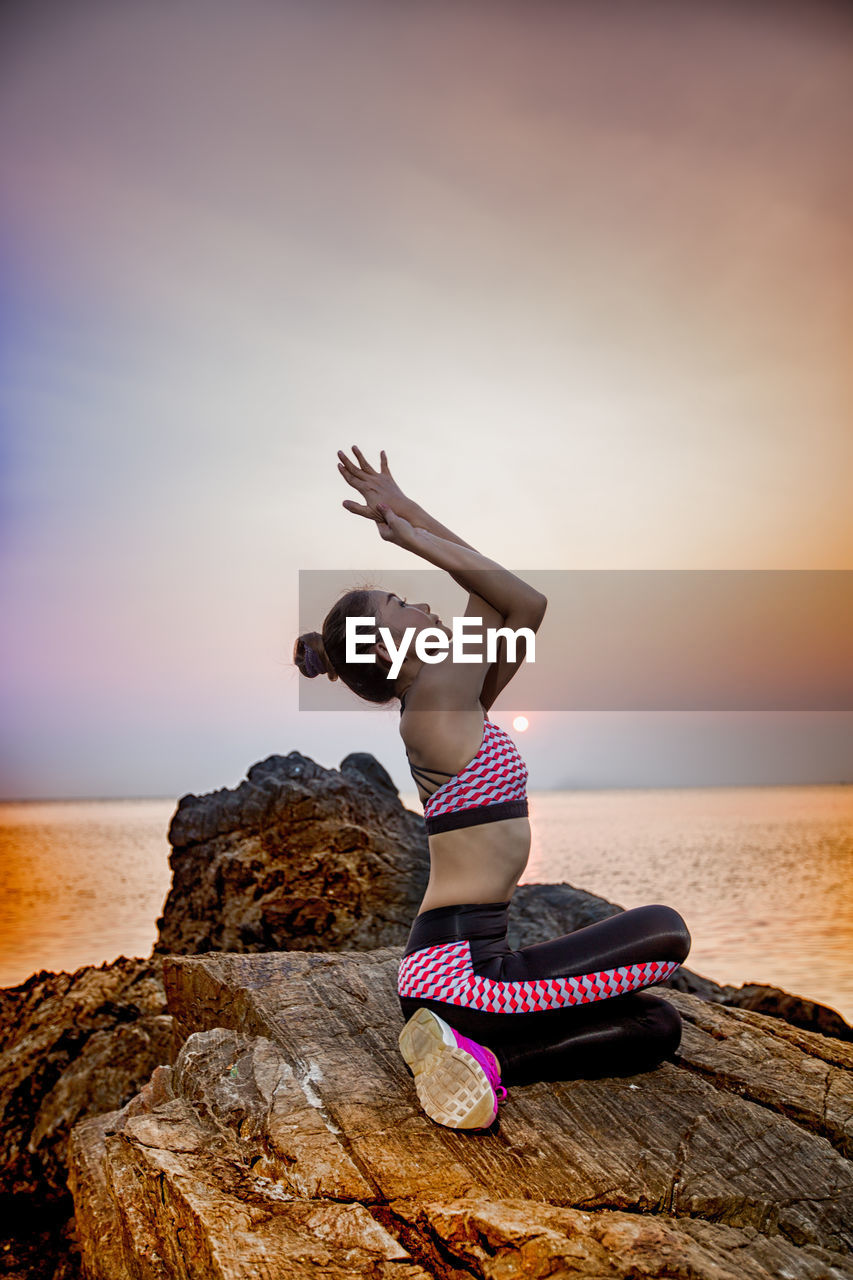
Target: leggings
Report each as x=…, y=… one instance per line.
x=572, y=1007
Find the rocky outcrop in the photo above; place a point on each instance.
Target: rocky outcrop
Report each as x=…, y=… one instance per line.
x=286, y=1140
x=71, y=1045
x=800, y=1012
x=296, y=856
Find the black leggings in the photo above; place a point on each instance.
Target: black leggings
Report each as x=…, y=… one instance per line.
x=572, y=1007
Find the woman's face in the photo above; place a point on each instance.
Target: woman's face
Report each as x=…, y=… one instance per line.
x=397, y=613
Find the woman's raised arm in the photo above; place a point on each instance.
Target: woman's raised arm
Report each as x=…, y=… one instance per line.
x=505, y=591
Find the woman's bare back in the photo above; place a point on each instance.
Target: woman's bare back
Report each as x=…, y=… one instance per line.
x=470, y=864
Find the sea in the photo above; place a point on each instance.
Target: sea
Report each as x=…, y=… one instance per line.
x=763, y=876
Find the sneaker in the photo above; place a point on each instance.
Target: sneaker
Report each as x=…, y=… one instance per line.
x=457, y=1080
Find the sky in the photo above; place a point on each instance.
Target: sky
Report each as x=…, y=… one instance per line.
x=583, y=271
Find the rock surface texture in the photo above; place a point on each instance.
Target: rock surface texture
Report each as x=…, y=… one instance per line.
x=285, y=1140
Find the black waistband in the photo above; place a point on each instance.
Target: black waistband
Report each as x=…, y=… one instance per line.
x=497, y=812
x=461, y=921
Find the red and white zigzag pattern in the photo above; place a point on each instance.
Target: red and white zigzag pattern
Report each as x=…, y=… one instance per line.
x=446, y=973
x=496, y=773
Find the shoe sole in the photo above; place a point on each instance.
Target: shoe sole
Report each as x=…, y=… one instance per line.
x=452, y=1087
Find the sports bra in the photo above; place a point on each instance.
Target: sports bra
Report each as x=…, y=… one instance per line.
x=491, y=787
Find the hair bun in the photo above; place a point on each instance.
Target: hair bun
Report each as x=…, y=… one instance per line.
x=310, y=656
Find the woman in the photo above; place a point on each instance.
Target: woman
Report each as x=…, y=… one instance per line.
x=478, y=1012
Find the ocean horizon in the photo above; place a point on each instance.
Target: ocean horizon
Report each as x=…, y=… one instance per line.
x=698, y=786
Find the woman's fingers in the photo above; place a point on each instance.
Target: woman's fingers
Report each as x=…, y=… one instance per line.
x=366, y=468
x=351, y=479
x=368, y=512
x=393, y=527
x=365, y=465
x=371, y=484
x=345, y=463
x=388, y=528
x=387, y=514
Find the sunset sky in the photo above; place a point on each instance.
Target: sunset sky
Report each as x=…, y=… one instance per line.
x=583, y=271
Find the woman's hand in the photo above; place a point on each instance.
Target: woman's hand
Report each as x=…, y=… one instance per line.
x=374, y=486
x=397, y=529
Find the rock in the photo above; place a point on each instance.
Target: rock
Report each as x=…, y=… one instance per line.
x=522, y=1238
x=805, y=1076
x=224, y=1163
x=296, y=856
x=797, y=1010
x=286, y=1139
x=73, y=1044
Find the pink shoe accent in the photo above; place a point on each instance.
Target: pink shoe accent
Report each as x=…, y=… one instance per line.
x=486, y=1061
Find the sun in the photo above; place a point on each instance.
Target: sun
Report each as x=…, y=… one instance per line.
x=520, y=723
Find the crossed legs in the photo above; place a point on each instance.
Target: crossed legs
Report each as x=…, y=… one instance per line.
x=618, y=1035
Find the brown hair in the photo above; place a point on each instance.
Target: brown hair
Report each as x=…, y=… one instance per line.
x=316, y=653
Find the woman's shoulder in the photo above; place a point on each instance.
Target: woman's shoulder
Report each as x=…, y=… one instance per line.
x=443, y=737
x=437, y=688
x=431, y=698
